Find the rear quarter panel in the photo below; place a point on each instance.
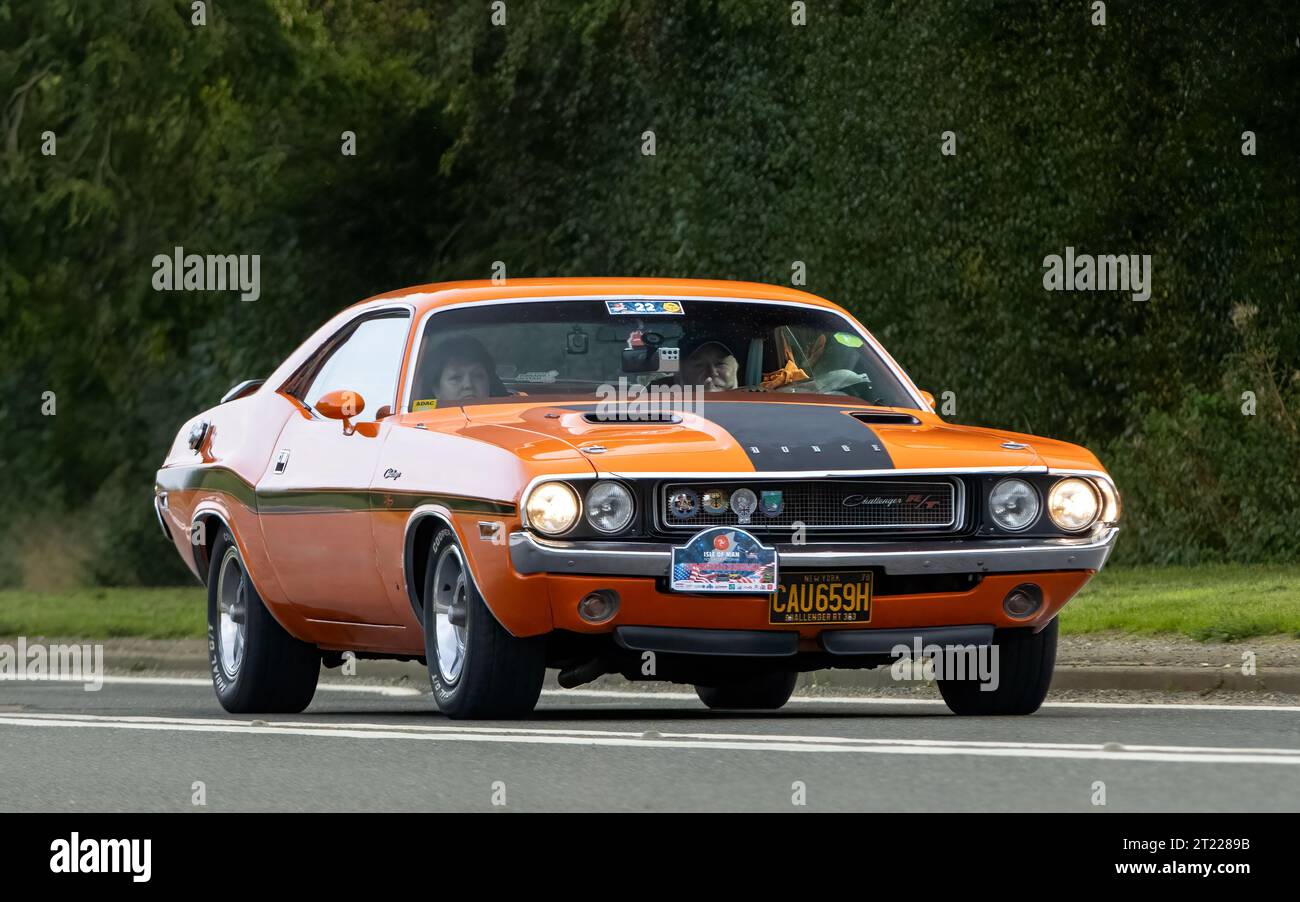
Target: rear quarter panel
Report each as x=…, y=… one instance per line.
x=219, y=478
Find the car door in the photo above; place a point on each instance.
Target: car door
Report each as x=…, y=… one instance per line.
x=314, y=498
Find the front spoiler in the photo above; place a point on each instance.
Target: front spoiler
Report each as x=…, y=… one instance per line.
x=532, y=554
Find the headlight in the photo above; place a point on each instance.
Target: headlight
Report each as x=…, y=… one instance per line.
x=1073, y=504
x=552, y=508
x=1014, y=504
x=609, y=506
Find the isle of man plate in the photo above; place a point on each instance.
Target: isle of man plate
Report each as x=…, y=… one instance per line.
x=724, y=559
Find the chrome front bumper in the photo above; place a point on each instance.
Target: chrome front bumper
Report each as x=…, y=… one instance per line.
x=532, y=554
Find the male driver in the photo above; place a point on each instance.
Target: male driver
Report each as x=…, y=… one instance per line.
x=710, y=364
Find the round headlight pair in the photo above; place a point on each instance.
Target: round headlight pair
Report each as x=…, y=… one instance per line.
x=553, y=507
x=1073, y=504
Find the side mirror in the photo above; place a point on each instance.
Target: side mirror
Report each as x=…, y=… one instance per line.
x=929, y=398
x=341, y=405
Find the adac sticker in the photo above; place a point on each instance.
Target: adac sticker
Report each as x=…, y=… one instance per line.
x=644, y=308
x=426, y=404
x=724, y=559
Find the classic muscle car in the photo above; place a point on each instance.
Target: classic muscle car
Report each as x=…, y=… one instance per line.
x=714, y=483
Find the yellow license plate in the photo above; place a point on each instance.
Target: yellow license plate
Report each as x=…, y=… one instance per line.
x=836, y=596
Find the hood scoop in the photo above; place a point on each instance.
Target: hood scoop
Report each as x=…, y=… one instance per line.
x=625, y=419
x=886, y=416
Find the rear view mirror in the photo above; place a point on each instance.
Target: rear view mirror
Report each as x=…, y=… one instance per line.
x=647, y=354
x=640, y=360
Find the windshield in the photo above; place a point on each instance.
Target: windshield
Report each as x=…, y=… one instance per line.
x=581, y=348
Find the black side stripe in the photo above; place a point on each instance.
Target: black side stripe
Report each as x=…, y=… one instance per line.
x=318, y=501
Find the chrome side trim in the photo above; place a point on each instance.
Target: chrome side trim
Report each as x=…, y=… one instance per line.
x=240, y=389
x=200, y=549
x=684, y=476
x=159, y=504
x=530, y=554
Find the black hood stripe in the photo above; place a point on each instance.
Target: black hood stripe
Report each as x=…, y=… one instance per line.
x=800, y=436
x=782, y=436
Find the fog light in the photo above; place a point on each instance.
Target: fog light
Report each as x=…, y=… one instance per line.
x=599, y=606
x=1023, y=601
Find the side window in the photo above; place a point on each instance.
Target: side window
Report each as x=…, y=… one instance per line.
x=366, y=362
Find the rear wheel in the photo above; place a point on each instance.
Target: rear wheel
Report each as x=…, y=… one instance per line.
x=769, y=691
x=256, y=666
x=1024, y=668
x=477, y=669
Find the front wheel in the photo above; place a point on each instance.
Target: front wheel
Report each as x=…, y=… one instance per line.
x=256, y=666
x=1023, y=667
x=477, y=669
x=767, y=692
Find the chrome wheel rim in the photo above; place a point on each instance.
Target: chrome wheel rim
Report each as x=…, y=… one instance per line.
x=232, y=612
x=450, y=608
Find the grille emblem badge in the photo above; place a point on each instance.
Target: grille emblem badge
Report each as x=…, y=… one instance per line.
x=772, y=502
x=744, y=502
x=714, y=501
x=683, y=504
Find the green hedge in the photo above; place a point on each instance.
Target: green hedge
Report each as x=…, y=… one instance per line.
x=776, y=143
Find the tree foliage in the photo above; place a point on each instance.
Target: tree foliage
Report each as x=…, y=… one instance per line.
x=775, y=143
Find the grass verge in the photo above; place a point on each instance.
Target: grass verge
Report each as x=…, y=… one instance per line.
x=173, y=613
x=1218, y=602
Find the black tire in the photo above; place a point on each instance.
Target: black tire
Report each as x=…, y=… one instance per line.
x=1025, y=663
x=274, y=673
x=767, y=692
x=499, y=675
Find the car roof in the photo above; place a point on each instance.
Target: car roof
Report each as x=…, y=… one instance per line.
x=441, y=294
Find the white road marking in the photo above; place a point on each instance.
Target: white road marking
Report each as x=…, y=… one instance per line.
x=633, y=695
x=672, y=740
x=370, y=688
x=868, y=700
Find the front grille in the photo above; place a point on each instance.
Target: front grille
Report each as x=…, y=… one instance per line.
x=821, y=505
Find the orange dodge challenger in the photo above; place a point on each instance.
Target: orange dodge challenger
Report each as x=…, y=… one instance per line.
x=714, y=483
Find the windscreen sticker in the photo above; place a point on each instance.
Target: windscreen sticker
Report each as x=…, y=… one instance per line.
x=426, y=404
x=545, y=378
x=849, y=340
x=644, y=308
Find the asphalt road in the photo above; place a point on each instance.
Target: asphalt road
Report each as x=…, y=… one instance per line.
x=143, y=743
